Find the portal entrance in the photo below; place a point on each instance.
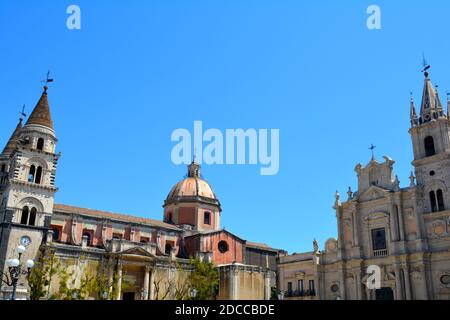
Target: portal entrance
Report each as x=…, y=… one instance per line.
x=385, y=293
x=128, y=296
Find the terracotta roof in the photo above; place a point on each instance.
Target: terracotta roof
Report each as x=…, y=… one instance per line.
x=113, y=216
x=41, y=113
x=262, y=246
x=12, y=142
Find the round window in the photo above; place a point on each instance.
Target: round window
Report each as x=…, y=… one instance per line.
x=335, y=288
x=445, y=279
x=432, y=173
x=223, y=246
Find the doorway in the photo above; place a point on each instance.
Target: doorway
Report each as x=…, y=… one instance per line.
x=128, y=296
x=385, y=293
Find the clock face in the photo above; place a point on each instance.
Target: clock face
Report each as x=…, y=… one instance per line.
x=25, y=241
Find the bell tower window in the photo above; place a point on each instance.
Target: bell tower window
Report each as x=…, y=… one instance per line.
x=429, y=146
x=32, y=220
x=40, y=144
x=24, y=217
x=32, y=173
x=433, y=201
x=440, y=200
x=38, y=175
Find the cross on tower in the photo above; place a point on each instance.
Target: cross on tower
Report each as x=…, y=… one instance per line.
x=372, y=148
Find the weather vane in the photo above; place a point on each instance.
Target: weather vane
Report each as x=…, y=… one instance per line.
x=22, y=113
x=426, y=66
x=48, y=79
x=372, y=148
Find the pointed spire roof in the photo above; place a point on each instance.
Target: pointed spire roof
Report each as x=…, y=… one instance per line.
x=13, y=140
x=412, y=111
x=41, y=113
x=429, y=98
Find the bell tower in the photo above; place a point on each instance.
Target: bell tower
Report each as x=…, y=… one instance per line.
x=430, y=133
x=28, y=183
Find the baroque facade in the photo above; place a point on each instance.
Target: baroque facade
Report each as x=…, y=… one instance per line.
x=405, y=232
x=144, y=258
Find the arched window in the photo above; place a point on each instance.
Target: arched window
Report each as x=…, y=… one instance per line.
x=88, y=236
x=32, y=173
x=440, y=200
x=32, y=220
x=56, y=233
x=24, y=218
x=168, y=248
x=433, y=201
x=40, y=144
x=207, y=218
x=429, y=146
x=38, y=175
x=3, y=167
x=169, y=218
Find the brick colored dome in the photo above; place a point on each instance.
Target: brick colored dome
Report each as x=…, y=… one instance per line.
x=192, y=187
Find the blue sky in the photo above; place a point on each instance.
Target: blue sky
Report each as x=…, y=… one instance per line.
x=137, y=70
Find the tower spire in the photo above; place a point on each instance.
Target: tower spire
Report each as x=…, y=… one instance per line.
x=431, y=106
x=41, y=113
x=412, y=111
x=13, y=140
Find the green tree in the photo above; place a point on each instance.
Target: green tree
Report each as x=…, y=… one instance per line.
x=204, y=279
x=41, y=275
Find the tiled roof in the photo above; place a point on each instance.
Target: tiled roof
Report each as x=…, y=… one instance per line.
x=41, y=113
x=62, y=208
x=262, y=246
x=12, y=142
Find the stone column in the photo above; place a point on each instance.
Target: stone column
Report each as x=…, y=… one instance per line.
x=234, y=282
x=394, y=224
x=342, y=278
x=407, y=283
x=119, y=281
x=359, y=290
x=152, y=285
x=146, y=282
x=398, y=283
x=267, y=288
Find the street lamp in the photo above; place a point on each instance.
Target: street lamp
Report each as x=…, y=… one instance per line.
x=194, y=293
x=15, y=270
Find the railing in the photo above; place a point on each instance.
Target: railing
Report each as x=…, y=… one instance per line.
x=301, y=293
x=380, y=253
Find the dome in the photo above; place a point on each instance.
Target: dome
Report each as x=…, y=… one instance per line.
x=193, y=188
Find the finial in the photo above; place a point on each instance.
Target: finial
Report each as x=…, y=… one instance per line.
x=411, y=96
x=372, y=148
x=350, y=192
x=194, y=158
x=411, y=180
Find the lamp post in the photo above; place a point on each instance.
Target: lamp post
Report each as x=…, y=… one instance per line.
x=15, y=270
x=194, y=293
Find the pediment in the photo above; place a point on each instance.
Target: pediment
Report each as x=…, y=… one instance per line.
x=138, y=251
x=373, y=193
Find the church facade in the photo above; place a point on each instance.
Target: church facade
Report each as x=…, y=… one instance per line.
x=139, y=258
x=402, y=232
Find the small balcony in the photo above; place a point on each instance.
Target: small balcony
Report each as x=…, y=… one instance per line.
x=300, y=293
x=380, y=253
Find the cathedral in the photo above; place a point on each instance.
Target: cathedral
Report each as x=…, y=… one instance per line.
x=402, y=232
x=400, y=235
x=143, y=259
